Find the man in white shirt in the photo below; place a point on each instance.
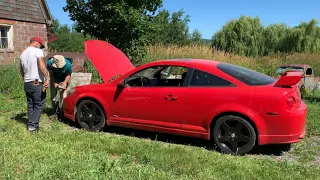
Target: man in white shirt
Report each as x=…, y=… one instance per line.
x=36, y=80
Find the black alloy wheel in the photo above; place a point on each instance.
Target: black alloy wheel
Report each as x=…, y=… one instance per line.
x=234, y=135
x=90, y=115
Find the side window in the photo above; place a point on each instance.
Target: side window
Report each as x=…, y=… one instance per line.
x=142, y=77
x=173, y=72
x=158, y=76
x=309, y=72
x=200, y=78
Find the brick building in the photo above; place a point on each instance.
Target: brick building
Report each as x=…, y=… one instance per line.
x=19, y=21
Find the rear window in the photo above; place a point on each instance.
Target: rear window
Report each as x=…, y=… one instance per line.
x=247, y=76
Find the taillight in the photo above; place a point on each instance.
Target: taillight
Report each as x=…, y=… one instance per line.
x=291, y=101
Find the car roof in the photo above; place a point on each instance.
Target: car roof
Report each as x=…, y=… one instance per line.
x=294, y=65
x=192, y=62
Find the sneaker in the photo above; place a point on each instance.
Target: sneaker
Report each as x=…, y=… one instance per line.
x=32, y=129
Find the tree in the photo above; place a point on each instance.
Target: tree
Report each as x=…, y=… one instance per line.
x=309, y=36
x=243, y=36
x=169, y=29
x=122, y=23
x=246, y=36
x=68, y=40
x=196, y=37
x=274, y=38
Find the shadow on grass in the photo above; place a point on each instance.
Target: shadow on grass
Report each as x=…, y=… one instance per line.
x=21, y=118
x=167, y=138
x=275, y=150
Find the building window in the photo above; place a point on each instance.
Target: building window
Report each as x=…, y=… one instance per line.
x=6, y=37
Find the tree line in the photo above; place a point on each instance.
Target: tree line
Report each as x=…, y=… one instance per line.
x=131, y=25
x=246, y=36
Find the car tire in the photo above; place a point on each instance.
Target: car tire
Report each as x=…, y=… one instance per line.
x=90, y=115
x=234, y=135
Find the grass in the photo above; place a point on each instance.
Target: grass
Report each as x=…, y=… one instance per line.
x=267, y=64
x=62, y=151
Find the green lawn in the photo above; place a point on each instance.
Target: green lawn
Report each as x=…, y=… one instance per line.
x=60, y=151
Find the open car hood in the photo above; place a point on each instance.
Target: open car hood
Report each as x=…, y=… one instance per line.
x=289, y=78
x=108, y=60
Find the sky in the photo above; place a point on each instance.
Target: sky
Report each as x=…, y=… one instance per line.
x=209, y=16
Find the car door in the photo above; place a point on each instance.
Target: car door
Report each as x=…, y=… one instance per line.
x=206, y=93
x=156, y=105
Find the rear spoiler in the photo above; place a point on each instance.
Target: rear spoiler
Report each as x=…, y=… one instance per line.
x=289, y=78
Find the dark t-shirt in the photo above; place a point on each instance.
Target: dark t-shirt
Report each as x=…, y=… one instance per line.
x=60, y=73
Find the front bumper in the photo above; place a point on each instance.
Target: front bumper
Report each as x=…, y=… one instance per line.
x=69, y=107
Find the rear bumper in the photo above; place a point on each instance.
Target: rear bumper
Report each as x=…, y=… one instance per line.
x=286, y=128
x=281, y=139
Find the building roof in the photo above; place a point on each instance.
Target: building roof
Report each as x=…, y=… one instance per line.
x=294, y=65
x=36, y=11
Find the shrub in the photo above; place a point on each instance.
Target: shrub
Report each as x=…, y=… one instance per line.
x=11, y=81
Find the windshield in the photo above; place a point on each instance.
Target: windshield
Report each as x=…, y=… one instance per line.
x=247, y=76
x=281, y=70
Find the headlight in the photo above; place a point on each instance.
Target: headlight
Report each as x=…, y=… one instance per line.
x=70, y=91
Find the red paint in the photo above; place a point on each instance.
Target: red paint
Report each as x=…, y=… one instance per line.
x=289, y=78
x=189, y=110
x=107, y=59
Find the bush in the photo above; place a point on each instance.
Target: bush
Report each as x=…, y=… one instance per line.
x=11, y=81
x=313, y=97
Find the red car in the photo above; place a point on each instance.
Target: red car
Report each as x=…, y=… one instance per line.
x=235, y=107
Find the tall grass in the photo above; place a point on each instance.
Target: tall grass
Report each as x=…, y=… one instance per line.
x=11, y=82
x=266, y=64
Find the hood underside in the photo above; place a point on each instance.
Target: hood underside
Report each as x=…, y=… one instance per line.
x=108, y=60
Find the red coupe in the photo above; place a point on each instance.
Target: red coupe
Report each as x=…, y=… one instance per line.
x=235, y=107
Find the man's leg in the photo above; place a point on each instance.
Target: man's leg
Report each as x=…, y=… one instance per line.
x=39, y=101
x=29, y=96
x=53, y=93
x=64, y=94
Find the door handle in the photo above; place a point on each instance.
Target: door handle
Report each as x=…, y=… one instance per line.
x=170, y=98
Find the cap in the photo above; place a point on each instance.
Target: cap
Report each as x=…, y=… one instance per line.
x=39, y=40
x=58, y=61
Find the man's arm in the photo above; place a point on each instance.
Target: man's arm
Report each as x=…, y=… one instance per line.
x=66, y=80
x=43, y=68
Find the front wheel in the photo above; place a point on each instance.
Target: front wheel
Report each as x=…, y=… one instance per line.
x=234, y=135
x=90, y=115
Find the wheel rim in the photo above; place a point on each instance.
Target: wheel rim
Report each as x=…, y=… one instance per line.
x=233, y=136
x=90, y=115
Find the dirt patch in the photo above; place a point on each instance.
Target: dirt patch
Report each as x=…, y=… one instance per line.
x=306, y=153
x=316, y=162
x=114, y=156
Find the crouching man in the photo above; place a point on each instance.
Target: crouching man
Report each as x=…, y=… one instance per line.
x=60, y=70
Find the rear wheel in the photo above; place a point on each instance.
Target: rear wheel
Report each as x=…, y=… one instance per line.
x=234, y=135
x=90, y=115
